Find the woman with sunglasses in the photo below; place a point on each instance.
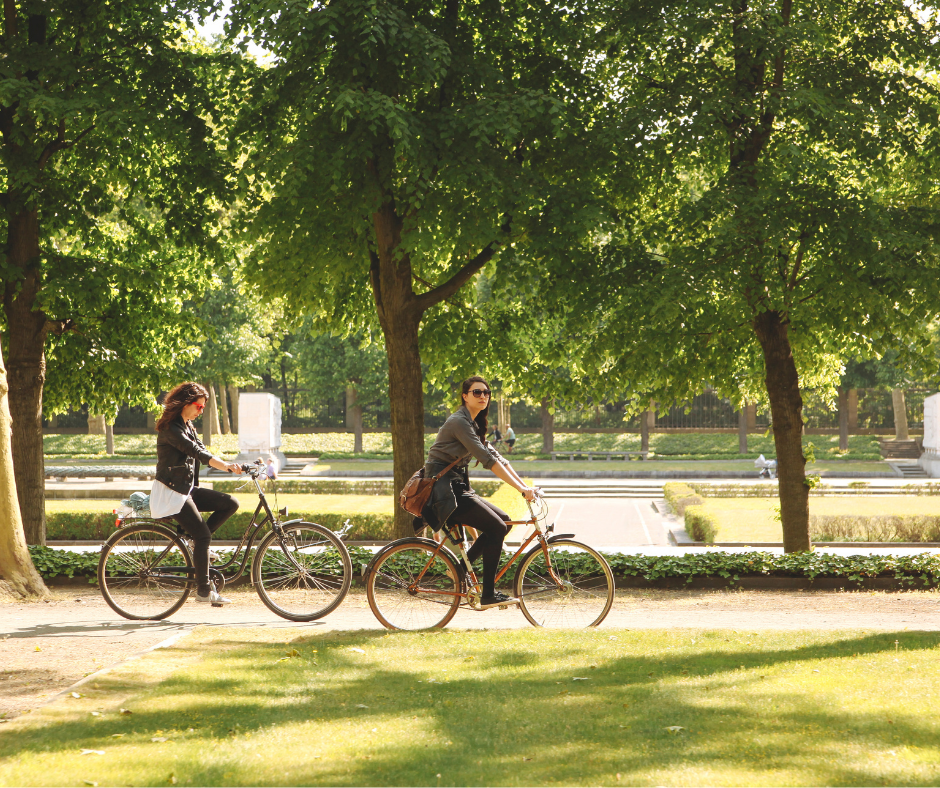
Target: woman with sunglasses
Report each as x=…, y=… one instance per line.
x=463, y=438
x=176, y=492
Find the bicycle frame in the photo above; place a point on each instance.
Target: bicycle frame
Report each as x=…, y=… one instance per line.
x=473, y=584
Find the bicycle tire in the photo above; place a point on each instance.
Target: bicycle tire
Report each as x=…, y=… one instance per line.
x=325, y=578
x=394, y=571
x=128, y=583
x=588, y=593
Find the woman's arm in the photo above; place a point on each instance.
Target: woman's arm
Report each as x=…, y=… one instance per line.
x=508, y=475
x=222, y=465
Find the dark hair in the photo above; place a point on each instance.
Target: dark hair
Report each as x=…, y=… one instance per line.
x=174, y=402
x=481, y=421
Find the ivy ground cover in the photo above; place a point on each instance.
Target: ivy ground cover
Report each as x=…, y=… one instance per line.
x=525, y=707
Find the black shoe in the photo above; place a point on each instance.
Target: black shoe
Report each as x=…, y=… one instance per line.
x=499, y=599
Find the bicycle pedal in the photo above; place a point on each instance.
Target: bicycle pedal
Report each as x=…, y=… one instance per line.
x=215, y=604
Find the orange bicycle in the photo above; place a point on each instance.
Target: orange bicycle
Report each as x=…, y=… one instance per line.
x=416, y=584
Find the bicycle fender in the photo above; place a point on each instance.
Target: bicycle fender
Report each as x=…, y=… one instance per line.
x=556, y=537
x=409, y=540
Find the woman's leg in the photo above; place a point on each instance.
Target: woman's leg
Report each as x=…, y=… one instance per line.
x=220, y=504
x=490, y=521
x=191, y=522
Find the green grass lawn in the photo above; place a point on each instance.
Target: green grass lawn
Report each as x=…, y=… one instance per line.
x=525, y=707
x=751, y=519
x=340, y=444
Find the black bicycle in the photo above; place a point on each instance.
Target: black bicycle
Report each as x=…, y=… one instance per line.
x=302, y=571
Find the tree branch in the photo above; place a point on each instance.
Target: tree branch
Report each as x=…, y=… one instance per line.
x=60, y=327
x=59, y=143
x=443, y=291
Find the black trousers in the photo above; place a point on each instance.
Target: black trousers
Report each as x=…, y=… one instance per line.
x=222, y=507
x=490, y=521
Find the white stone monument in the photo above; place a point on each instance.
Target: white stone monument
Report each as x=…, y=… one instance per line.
x=259, y=428
x=930, y=459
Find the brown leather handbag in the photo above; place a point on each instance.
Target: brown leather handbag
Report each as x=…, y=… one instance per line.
x=414, y=495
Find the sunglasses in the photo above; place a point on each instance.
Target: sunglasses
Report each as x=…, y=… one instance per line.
x=199, y=406
x=480, y=392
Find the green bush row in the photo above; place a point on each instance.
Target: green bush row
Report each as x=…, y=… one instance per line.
x=340, y=486
x=911, y=570
x=93, y=526
x=680, y=495
x=876, y=528
x=700, y=525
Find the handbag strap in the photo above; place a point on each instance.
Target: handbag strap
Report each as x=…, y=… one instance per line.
x=446, y=470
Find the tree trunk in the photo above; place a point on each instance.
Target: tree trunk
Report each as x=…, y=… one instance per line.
x=151, y=422
x=645, y=431
x=233, y=398
x=843, y=419
x=96, y=425
x=786, y=410
x=16, y=566
x=406, y=400
x=26, y=365
x=742, y=430
x=354, y=417
x=900, y=415
x=223, y=409
x=109, y=438
x=214, y=403
x=208, y=416
x=548, y=426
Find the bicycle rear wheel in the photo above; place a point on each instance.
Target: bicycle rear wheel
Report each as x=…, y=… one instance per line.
x=396, y=597
x=303, y=575
x=583, y=597
x=145, y=572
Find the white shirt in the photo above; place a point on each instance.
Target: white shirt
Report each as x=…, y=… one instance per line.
x=165, y=502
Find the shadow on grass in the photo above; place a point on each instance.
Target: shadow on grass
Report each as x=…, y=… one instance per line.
x=509, y=711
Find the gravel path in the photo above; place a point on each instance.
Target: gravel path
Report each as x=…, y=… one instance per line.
x=47, y=646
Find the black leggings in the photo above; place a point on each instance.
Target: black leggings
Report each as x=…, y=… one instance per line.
x=490, y=521
x=222, y=507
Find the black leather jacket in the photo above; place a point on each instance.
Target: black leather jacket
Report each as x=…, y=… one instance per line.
x=179, y=456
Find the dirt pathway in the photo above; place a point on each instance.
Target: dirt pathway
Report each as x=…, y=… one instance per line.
x=47, y=646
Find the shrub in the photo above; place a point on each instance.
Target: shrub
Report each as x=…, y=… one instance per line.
x=878, y=528
x=679, y=496
x=700, y=525
x=485, y=487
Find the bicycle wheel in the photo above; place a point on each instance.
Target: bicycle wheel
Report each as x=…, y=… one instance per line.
x=303, y=575
x=145, y=571
x=396, y=597
x=582, y=599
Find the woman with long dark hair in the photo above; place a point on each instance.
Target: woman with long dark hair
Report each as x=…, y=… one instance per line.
x=176, y=492
x=463, y=437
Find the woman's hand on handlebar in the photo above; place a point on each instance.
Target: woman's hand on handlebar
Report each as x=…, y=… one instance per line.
x=530, y=493
x=234, y=467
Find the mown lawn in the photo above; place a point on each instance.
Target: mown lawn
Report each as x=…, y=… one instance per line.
x=526, y=707
x=751, y=519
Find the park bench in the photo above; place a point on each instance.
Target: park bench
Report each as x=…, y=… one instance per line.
x=143, y=473
x=608, y=455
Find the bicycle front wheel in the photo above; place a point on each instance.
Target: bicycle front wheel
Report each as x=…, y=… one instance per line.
x=304, y=574
x=145, y=572
x=580, y=593
x=410, y=587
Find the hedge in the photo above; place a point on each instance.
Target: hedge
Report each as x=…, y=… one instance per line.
x=874, y=528
x=680, y=495
x=770, y=489
x=485, y=487
x=916, y=571
x=700, y=525
x=92, y=526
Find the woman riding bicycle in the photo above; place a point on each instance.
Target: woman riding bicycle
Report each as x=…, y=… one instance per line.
x=176, y=492
x=463, y=437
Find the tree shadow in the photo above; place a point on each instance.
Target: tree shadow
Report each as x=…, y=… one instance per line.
x=508, y=722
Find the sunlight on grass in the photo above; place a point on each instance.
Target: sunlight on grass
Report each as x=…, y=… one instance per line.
x=527, y=707
x=751, y=519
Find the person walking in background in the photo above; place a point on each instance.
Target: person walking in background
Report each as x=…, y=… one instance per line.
x=510, y=438
x=176, y=492
x=463, y=438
